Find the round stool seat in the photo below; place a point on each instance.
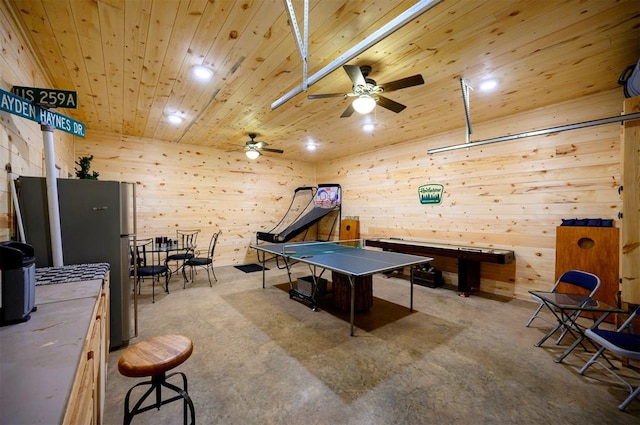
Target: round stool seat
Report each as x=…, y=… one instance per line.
x=155, y=355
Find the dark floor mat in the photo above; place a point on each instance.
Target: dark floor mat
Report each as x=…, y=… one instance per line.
x=250, y=268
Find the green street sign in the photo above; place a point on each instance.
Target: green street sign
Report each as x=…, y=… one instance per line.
x=16, y=105
x=48, y=98
x=59, y=121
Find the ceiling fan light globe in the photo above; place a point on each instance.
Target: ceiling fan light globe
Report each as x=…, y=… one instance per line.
x=252, y=154
x=364, y=104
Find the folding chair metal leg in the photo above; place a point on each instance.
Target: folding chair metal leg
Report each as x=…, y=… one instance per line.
x=632, y=396
x=535, y=314
x=634, y=392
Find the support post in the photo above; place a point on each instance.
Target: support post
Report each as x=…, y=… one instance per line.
x=467, y=113
x=52, y=195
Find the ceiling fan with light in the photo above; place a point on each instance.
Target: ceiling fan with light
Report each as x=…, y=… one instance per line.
x=367, y=92
x=254, y=149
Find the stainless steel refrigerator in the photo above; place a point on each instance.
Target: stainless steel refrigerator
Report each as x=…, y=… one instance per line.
x=97, y=219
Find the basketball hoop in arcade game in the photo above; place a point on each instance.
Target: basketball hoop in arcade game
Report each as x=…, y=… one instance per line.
x=327, y=196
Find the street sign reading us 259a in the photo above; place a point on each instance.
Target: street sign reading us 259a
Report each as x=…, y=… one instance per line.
x=49, y=98
x=21, y=107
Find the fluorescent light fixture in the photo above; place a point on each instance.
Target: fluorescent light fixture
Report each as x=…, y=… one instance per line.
x=488, y=85
x=175, y=119
x=202, y=72
x=252, y=154
x=364, y=104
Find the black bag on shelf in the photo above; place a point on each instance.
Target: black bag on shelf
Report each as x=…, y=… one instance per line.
x=630, y=80
x=592, y=222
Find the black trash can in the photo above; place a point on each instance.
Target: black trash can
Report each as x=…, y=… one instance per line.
x=18, y=281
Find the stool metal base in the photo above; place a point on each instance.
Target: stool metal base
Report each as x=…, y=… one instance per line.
x=156, y=383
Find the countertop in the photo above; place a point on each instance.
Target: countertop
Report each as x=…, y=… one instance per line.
x=39, y=357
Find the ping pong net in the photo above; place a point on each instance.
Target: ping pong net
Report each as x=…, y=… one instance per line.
x=299, y=250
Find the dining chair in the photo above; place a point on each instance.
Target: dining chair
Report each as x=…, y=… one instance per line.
x=621, y=343
x=185, y=250
x=206, y=262
x=147, y=264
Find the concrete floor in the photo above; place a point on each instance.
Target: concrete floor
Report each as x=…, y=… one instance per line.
x=261, y=358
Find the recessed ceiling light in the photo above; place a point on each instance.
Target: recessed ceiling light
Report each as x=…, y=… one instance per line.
x=175, y=119
x=488, y=85
x=311, y=146
x=369, y=127
x=202, y=72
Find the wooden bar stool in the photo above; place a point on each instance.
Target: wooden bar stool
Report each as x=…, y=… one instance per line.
x=154, y=357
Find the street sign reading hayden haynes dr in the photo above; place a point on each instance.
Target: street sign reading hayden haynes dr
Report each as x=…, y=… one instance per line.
x=22, y=107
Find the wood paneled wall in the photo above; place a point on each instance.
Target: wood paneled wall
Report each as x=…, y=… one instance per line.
x=508, y=195
x=21, y=144
x=191, y=187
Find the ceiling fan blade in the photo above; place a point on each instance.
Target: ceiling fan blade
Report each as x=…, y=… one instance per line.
x=391, y=105
x=272, y=150
x=348, y=112
x=354, y=72
x=414, y=80
x=322, y=96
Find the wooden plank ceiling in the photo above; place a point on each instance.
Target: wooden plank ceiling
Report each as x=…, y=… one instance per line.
x=131, y=64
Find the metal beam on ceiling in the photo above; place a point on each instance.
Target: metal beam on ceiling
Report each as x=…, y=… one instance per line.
x=303, y=45
x=592, y=123
x=392, y=26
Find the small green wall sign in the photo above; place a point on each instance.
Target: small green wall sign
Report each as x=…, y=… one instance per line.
x=430, y=193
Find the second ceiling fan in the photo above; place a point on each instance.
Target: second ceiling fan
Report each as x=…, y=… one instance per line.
x=367, y=91
x=253, y=149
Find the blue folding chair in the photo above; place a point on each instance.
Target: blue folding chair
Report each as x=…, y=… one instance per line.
x=577, y=280
x=620, y=343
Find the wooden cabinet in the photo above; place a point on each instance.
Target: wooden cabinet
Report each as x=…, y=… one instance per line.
x=86, y=402
x=593, y=250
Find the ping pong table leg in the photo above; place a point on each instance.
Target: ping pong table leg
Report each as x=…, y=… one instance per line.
x=263, y=268
x=353, y=297
x=411, y=297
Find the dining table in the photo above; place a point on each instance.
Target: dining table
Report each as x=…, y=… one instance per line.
x=164, y=249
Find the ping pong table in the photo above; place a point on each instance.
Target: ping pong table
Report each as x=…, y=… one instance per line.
x=348, y=258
